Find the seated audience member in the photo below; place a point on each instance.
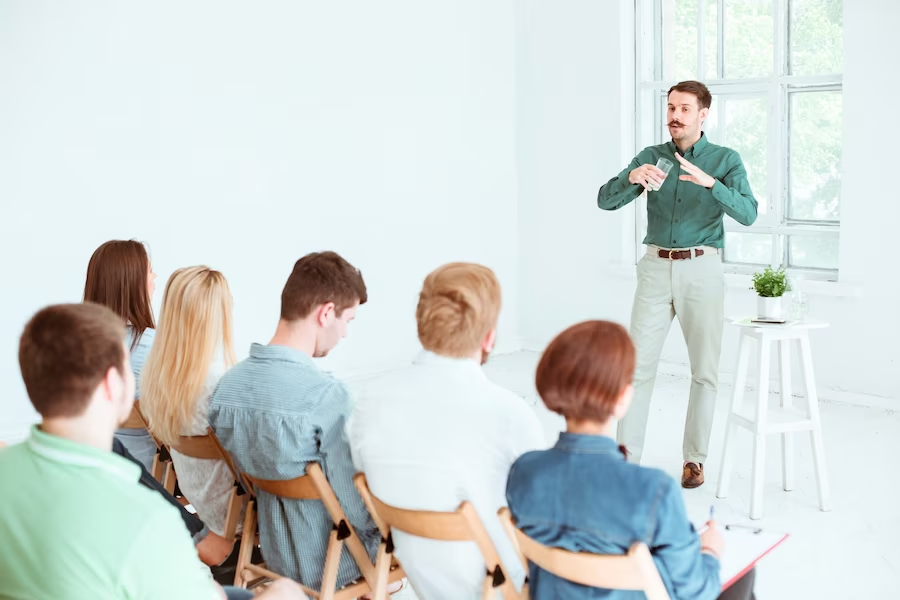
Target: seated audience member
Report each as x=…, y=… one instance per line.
x=582, y=495
x=74, y=521
x=440, y=432
x=276, y=411
x=120, y=277
x=211, y=548
x=192, y=350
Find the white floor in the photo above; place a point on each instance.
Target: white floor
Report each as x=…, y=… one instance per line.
x=852, y=552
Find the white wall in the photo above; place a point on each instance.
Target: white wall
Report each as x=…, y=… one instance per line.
x=244, y=135
x=575, y=111
x=575, y=123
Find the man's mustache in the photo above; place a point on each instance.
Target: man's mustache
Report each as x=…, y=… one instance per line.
x=675, y=124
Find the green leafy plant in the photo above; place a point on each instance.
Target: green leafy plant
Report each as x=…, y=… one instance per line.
x=771, y=284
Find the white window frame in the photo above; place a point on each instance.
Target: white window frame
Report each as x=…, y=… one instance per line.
x=775, y=89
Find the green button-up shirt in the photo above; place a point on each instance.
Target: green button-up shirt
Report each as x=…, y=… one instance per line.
x=683, y=214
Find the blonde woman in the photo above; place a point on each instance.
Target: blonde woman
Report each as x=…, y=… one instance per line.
x=192, y=350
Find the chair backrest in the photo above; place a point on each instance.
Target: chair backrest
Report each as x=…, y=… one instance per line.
x=314, y=486
x=634, y=570
x=207, y=446
x=461, y=525
x=136, y=419
x=299, y=488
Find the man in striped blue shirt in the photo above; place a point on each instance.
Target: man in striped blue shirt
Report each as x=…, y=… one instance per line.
x=276, y=411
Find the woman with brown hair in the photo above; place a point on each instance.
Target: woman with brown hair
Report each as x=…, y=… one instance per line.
x=120, y=277
x=583, y=496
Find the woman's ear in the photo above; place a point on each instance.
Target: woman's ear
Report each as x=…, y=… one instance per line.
x=624, y=402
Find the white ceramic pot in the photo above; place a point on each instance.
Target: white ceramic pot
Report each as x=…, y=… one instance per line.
x=770, y=308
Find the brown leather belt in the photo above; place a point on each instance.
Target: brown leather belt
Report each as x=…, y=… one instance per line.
x=680, y=254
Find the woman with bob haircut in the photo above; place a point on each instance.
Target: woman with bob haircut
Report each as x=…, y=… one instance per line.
x=583, y=496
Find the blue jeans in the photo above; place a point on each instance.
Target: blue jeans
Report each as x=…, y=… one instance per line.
x=234, y=593
x=139, y=444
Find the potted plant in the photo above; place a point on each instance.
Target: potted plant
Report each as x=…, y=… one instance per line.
x=770, y=286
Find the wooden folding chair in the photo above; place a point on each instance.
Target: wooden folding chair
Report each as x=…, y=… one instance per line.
x=313, y=486
x=462, y=525
x=634, y=570
x=161, y=469
x=207, y=446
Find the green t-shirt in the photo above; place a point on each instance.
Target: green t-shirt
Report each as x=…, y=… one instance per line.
x=75, y=523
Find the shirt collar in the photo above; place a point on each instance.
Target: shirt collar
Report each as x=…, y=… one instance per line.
x=594, y=444
x=285, y=353
x=428, y=358
x=66, y=452
x=696, y=149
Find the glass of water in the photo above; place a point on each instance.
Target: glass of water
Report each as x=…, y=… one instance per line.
x=665, y=165
x=799, y=299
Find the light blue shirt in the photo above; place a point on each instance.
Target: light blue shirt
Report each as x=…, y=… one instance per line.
x=274, y=412
x=139, y=354
x=137, y=441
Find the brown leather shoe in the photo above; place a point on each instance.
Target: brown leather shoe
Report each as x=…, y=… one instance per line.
x=692, y=476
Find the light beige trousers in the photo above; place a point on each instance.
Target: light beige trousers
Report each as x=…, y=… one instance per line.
x=694, y=290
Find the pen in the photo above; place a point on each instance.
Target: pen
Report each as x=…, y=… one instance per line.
x=712, y=512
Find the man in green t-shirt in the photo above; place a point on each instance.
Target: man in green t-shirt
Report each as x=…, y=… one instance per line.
x=74, y=521
x=682, y=272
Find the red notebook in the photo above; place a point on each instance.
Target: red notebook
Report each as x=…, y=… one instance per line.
x=744, y=547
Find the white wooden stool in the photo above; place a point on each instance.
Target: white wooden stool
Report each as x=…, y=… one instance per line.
x=784, y=420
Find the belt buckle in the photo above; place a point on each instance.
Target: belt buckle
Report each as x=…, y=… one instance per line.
x=670, y=254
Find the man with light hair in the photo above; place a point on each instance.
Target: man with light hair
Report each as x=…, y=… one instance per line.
x=439, y=432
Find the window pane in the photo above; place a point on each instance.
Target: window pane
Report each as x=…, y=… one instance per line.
x=742, y=124
x=815, y=156
x=749, y=38
x=814, y=251
x=679, y=39
x=711, y=38
x=752, y=248
x=817, y=37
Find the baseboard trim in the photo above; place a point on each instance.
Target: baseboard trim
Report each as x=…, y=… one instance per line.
x=829, y=395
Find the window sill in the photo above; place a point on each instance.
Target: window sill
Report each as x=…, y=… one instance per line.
x=829, y=289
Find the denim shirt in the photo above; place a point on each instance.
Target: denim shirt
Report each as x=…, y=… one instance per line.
x=581, y=495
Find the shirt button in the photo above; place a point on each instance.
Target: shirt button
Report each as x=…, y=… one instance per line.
x=674, y=241
x=676, y=220
x=679, y=199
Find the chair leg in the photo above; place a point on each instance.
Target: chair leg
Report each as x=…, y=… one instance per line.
x=156, y=469
x=787, y=438
x=488, y=591
x=737, y=396
x=233, y=515
x=382, y=572
x=169, y=478
x=332, y=562
x=248, y=541
x=760, y=430
x=818, y=446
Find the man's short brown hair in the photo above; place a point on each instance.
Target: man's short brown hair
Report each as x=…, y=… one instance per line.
x=697, y=89
x=320, y=278
x=585, y=369
x=65, y=352
x=458, y=306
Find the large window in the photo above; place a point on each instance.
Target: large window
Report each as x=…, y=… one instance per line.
x=774, y=70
